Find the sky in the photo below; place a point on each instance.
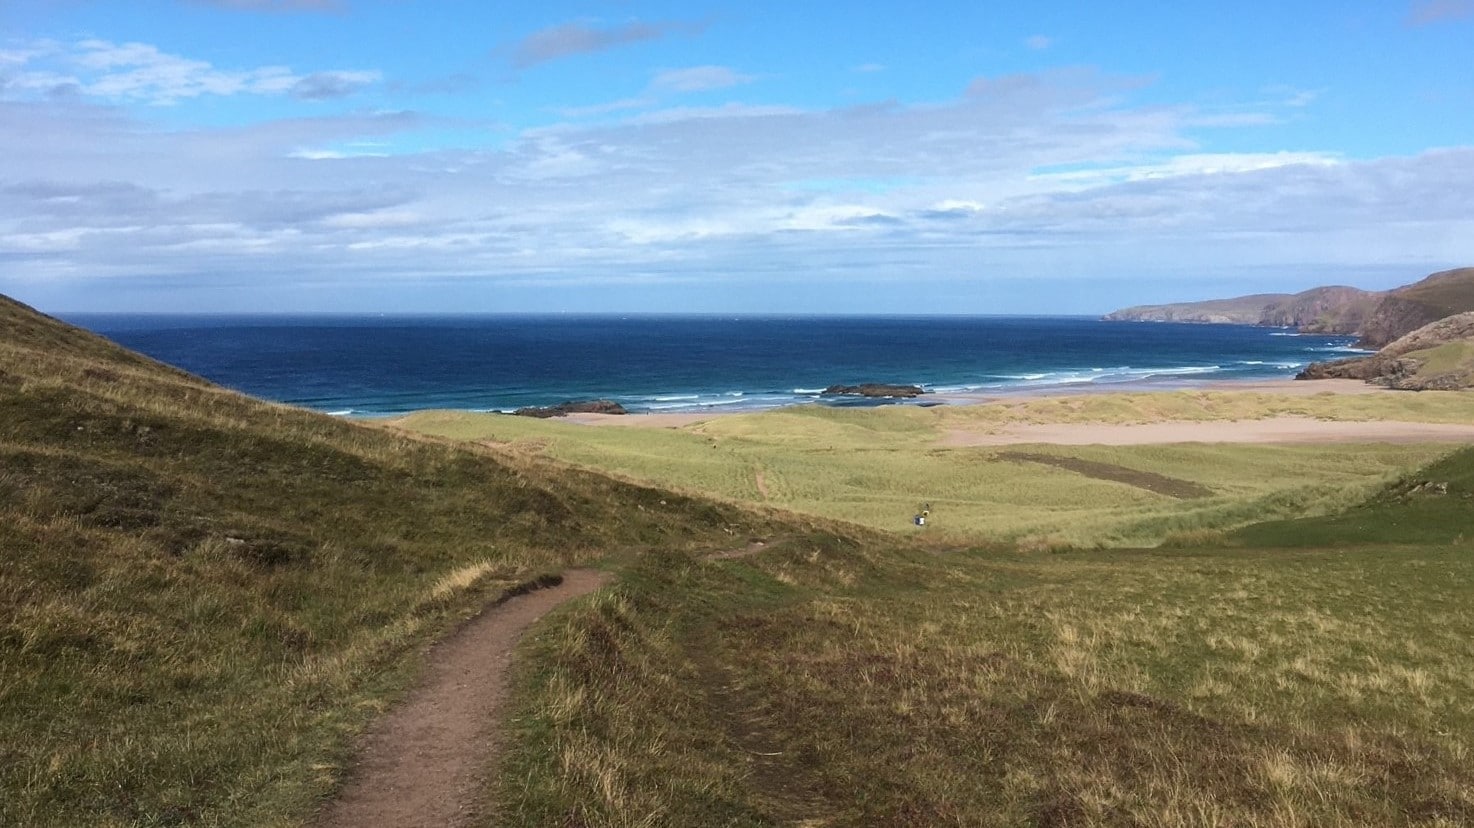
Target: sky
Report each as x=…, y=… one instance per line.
x=726, y=157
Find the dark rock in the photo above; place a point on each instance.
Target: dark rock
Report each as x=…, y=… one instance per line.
x=563, y=409
x=873, y=389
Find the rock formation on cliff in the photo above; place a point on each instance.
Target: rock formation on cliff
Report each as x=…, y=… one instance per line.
x=1436, y=357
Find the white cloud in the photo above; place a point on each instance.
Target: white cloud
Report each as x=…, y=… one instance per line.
x=1038, y=42
x=1047, y=175
x=142, y=73
x=699, y=79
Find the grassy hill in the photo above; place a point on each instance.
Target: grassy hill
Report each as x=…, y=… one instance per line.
x=203, y=596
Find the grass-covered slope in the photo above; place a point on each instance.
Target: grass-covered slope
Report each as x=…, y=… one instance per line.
x=1411, y=307
x=202, y=596
x=834, y=684
x=1432, y=506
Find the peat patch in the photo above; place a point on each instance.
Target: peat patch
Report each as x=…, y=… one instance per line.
x=1151, y=481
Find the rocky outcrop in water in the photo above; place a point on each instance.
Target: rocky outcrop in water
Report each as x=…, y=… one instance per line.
x=563, y=409
x=873, y=389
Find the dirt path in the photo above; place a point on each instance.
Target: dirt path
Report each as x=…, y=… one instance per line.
x=423, y=764
x=762, y=483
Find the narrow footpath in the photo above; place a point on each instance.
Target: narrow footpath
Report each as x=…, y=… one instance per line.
x=423, y=764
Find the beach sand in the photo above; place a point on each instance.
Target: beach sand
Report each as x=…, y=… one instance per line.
x=1270, y=430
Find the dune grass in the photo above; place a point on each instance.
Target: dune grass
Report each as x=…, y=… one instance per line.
x=877, y=467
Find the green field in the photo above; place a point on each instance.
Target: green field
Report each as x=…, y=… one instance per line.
x=877, y=467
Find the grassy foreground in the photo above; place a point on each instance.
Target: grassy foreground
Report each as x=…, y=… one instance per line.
x=841, y=684
x=204, y=597
x=875, y=467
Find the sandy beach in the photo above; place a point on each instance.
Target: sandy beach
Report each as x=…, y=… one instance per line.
x=1271, y=430
x=1268, y=430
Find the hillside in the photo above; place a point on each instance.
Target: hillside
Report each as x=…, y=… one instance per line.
x=203, y=597
x=1302, y=672
x=1377, y=317
x=1438, y=356
x=1335, y=309
x=1241, y=310
x=1331, y=310
x=1408, y=308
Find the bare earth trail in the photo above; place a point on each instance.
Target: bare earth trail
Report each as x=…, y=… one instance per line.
x=423, y=763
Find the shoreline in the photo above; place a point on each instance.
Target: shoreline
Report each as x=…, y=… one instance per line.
x=1280, y=387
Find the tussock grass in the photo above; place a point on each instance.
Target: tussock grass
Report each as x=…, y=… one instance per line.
x=858, y=685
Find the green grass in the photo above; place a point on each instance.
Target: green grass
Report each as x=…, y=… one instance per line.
x=203, y=598
x=854, y=685
x=876, y=467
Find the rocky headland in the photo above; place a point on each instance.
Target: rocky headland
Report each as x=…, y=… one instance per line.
x=1423, y=329
x=1436, y=357
x=1336, y=309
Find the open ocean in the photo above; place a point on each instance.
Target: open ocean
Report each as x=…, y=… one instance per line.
x=381, y=365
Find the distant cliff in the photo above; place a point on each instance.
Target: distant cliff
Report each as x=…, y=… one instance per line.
x=1242, y=310
x=1408, y=308
x=1335, y=309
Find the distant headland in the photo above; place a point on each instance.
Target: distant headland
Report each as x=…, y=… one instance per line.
x=1425, y=342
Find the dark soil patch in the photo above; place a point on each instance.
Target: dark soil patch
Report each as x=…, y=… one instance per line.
x=1151, y=481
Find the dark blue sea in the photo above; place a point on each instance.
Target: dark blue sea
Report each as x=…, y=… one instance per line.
x=381, y=365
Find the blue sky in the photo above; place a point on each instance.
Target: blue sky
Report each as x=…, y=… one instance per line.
x=346, y=155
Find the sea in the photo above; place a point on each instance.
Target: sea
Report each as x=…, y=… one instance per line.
x=375, y=366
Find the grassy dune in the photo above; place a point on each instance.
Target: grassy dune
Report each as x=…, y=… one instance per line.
x=876, y=467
